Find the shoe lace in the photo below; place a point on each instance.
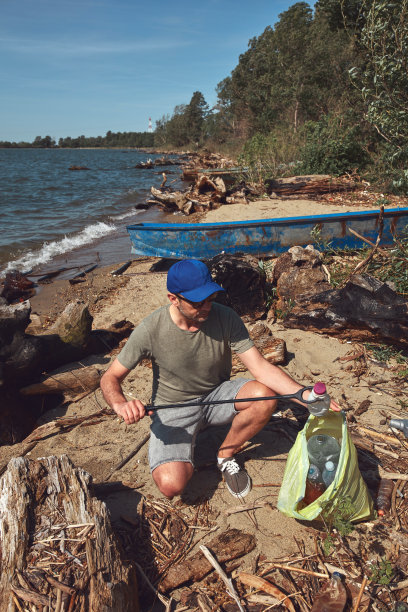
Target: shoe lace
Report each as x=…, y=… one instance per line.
x=230, y=466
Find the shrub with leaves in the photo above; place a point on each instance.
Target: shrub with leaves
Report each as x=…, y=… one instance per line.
x=333, y=146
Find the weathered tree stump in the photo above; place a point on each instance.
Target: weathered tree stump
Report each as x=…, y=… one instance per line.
x=243, y=281
x=299, y=271
x=57, y=542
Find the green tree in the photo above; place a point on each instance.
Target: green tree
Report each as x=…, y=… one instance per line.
x=195, y=116
x=382, y=79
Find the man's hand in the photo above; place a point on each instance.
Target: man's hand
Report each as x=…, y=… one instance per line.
x=334, y=406
x=131, y=412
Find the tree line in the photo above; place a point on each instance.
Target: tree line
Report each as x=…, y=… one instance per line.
x=323, y=91
x=111, y=139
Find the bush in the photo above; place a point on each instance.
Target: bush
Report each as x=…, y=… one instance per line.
x=267, y=155
x=332, y=147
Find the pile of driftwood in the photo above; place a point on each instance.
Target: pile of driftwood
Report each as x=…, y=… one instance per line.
x=24, y=358
x=58, y=551
x=159, y=161
x=207, y=192
x=204, y=194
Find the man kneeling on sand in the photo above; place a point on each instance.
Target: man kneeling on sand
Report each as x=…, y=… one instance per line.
x=190, y=342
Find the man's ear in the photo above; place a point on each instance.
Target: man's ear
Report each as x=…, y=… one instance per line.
x=173, y=299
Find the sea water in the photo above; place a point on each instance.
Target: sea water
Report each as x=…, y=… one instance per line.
x=51, y=216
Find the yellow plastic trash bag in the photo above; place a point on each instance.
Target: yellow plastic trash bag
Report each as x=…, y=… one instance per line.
x=348, y=483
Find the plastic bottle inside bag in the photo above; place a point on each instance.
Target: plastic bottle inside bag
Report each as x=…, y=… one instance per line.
x=314, y=485
x=322, y=448
x=329, y=473
x=332, y=596
x=322, y=403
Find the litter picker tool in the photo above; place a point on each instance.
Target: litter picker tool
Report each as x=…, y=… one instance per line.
x=298, y=395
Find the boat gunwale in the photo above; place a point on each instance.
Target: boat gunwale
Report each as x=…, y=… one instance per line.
x=315, y=219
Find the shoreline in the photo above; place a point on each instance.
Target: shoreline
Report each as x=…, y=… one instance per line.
x=99, y=285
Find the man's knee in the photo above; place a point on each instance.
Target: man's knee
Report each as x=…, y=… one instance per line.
x=263, y=408
x=172, y=478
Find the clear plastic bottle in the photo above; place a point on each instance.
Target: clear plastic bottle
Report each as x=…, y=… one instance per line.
x=321, y=405
x=314, y=485
x=401, y=425
x=322, y=448
x=332, y=596
x=329, y=473
x=384, y=496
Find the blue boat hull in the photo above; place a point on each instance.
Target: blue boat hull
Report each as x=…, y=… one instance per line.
x=263, y=237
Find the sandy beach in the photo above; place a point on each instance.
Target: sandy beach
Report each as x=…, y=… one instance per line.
x=102, y=446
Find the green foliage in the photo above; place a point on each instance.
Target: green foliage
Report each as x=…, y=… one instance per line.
x=282, y=313
x=382, y=572
x=321, y=243
x=336, y=514
x=393, y=266
x=382, y=79
x=186, y=126
x=292, y=73
x=385, y=353
x=333, y=146
x=341, y=13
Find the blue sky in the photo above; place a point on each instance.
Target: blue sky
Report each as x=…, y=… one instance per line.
x=72, y=67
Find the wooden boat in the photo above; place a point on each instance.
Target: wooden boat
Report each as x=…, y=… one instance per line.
x=263, y=237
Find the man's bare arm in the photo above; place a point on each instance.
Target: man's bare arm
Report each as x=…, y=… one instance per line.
x=272, y=376
x=111, y=384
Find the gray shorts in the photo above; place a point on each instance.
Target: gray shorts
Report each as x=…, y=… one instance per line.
x=174, y=430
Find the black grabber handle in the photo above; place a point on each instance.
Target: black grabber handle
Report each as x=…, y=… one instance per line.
x=298, y=395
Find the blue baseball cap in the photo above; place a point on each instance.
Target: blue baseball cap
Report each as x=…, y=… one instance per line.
x=192, y=279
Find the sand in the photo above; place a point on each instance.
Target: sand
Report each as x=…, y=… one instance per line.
x=100, y=447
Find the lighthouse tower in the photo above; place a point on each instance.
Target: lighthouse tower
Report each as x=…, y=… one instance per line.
x=150, y=128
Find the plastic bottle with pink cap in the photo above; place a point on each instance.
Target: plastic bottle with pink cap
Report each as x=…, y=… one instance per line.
x=321, y=403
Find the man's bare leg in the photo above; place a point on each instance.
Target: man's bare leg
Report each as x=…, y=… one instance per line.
x=171, y=478
x=252, y=417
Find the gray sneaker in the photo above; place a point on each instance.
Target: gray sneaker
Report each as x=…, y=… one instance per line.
x=235, y=477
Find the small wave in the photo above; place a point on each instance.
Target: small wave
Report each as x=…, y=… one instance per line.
x=130, y=213
x=49, y=250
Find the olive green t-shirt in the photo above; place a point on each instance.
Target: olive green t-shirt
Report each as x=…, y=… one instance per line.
x=186, y=364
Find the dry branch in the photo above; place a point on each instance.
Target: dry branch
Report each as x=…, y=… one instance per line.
x=263, y=585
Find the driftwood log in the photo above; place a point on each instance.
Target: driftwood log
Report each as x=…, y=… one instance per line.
x=229, y=545
x=273, y=349
x=309, y=185
x=243, y=281
x=173, y=200
x=23, y=357
x=364, y=310
x=57, y=544
x=73, y=383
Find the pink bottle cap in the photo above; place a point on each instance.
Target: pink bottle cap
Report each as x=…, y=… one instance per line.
x=319, y=388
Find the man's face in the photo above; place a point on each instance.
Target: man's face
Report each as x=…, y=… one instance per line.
x=197, y=312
